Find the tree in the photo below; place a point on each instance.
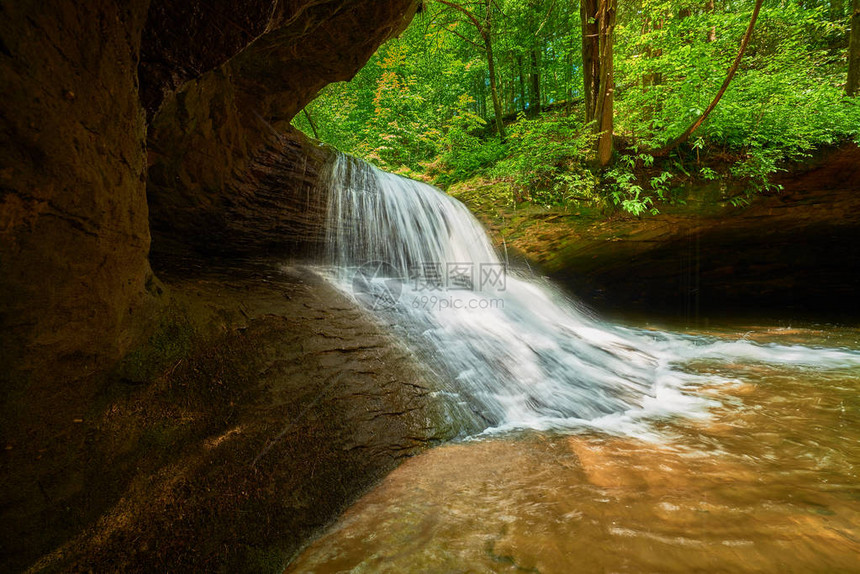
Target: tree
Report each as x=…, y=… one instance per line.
x=837, y=10
x=598, y=32
x=484, y=26
x=534, y=80
x=590, y=63
x=311, y=122
x=418, y=102
x=695, y=125
x=853, y=84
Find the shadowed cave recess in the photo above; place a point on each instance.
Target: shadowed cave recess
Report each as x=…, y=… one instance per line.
x=150, y=350
x=124, y=122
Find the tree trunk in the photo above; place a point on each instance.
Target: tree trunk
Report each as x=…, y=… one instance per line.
x=311, y=122
x=606, y=95
x=494, y=90
x=851, y=88
x=652, y=78
x=482, y=97
x=598, y=31
x=568, y=80
x=485, y=29
x=534, y=77
x=712, y=33
x=487, y=36
x=590, y=51
x=523, y=103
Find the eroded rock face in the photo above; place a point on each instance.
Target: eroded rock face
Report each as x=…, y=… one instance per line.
x=271, y=206
x=74, y=232
x=80, y=85
x=788, y=256
x=183, y=40
x=216, y=135
x=75, y=279
x=287, y=405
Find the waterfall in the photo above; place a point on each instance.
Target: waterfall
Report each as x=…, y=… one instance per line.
x=516, y=350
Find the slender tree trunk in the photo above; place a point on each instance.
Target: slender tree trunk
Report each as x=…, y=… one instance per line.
x=590, y=51
x=568, y=81
x=534, y=77
x=853, y=86
x=606, y=97
x=494, y=90
x=311, y=122
x=523, y=103
x=712, y=33
x=485, y=29
x=649, y=53
x=487, y=36
x=689, y=131
x=482, y=97
x=651, y=78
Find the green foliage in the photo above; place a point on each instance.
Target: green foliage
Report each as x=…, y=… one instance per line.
x=708, y=174
x=757, y=168
x=465, y=153
x=786, y=97
x=624, y=191
x=422, y=104
x=548, y=160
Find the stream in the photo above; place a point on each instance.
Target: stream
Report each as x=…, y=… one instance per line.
x=586, y=446
x=764, y=480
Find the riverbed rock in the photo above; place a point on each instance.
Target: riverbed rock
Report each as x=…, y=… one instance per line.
x=264, y=402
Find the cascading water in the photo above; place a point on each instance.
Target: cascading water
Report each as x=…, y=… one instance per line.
x=517, y=352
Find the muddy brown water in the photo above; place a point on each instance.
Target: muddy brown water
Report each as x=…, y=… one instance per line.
x=765, y=481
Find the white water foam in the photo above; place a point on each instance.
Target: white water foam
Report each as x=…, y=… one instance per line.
x=516, y=351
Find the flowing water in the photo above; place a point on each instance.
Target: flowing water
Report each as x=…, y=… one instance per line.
x=593, y=447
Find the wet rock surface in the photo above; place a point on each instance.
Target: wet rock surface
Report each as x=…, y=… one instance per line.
x=121, y=117
x=276, y=206
x=212, y=142
x=88, y=164
x=263, y=405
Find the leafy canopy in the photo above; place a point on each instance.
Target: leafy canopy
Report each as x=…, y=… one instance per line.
x=422, y=104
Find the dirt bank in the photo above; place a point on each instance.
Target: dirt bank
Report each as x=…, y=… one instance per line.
x=793, y=254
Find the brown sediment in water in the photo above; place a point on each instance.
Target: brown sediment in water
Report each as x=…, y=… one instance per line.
x=766, y=484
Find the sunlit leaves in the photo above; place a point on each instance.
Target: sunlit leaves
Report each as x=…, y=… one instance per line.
x=423, y=100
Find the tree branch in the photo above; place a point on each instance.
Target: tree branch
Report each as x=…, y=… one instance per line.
x=462, y=37
x=689, y=131
x=468, y=14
